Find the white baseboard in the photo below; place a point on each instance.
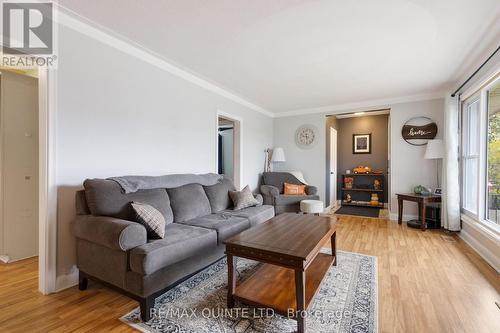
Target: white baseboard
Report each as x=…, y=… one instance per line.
x=486, y=247
x=67, y=280
x=6, y=259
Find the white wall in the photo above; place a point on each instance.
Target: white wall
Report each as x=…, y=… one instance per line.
x=311, y=162
x=408, y=168
x=119, y=115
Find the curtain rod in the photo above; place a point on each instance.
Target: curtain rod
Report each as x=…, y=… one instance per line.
x=475, y=72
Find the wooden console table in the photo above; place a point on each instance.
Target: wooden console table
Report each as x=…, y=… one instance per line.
x=421, y=200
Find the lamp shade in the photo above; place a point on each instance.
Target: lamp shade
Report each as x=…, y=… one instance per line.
x=278, y=155
x=434, y=149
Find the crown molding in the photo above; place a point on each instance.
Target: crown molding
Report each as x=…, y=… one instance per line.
x=106, y=36
x=361, y=106
x=362, y=114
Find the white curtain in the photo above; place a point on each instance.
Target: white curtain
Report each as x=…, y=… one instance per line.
x=451, y=184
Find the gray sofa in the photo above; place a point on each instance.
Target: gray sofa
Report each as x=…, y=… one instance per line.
x=114, y=249
x=272, y=190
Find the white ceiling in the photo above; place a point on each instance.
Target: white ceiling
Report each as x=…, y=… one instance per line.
x=286, y=55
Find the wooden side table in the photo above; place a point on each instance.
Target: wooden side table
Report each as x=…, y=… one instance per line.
x=421, y=200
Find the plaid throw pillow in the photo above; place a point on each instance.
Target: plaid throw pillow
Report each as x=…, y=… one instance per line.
x=151, y=218
x=243, y=199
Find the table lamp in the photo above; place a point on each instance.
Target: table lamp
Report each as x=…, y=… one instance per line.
x=435, y=151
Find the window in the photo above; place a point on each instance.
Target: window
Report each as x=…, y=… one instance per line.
x=480, y=154
x=470, y=155
x=493, y=156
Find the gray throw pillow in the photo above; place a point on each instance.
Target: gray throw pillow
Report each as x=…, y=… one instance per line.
x=188, y=202
x=151, y=218
x=218, y=195
x=243, y=199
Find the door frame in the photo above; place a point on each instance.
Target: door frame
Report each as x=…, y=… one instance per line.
x=237, y=146
x=47, y=189
x=333, y=151
x=389, y=165
x=47, y=196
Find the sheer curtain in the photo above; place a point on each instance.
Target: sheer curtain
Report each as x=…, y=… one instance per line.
x=451, y=185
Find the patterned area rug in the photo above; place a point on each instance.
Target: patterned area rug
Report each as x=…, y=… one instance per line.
x=346, y=302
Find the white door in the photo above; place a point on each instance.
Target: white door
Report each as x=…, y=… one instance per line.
x=19, y=166
x=333, y=166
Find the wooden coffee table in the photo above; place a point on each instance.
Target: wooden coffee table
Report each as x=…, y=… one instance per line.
x=289, y=246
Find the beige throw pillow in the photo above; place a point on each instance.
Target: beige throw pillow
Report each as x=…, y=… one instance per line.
x=243, y=199
x=151, y=218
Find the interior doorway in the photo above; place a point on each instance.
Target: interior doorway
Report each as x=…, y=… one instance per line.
x=19, y=164
x=228, y=159
x=333, y=167
x=225, y=148
x=358, y=148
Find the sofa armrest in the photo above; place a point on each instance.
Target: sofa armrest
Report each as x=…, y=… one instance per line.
x=269, y=190
x=110, y=232
x=311, y=190
x=260, y=199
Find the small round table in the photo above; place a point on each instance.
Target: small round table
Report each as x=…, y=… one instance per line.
x=311, y=206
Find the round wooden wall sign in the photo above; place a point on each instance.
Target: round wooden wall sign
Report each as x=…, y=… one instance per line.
x=418, y=130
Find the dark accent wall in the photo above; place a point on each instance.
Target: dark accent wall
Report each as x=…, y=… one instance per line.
x=377, y=159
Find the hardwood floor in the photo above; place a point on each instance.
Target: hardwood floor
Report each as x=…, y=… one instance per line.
x=428, y=282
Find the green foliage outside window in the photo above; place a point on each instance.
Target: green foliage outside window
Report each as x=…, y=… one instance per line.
x=494, y=153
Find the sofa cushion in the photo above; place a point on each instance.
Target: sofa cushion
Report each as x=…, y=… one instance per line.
x=180, y=242
x=256, y=215
x=225, y=225
x=294, y=199
x=188, y=202
x=105, y=197
x=218, y=195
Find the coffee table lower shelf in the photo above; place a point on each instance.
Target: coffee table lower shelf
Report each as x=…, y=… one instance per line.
x=274, y=286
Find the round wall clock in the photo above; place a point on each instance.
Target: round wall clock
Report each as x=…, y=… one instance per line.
x=306, y=136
